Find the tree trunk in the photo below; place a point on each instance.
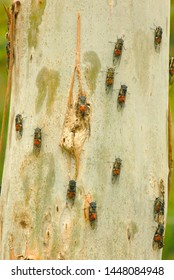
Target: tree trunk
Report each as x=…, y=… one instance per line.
x=62, y=51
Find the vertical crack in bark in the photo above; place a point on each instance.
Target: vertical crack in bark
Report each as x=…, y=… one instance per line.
x=76, y=127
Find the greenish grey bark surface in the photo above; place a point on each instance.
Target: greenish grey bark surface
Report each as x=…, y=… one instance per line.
x=34, y=213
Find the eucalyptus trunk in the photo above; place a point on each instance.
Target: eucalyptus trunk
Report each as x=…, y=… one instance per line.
x=62, y=52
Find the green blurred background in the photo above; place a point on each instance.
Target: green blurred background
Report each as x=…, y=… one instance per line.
x=3, y=72
x=168, y=251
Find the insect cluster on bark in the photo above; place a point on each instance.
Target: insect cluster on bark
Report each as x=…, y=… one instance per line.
x=109, y=84
x=158, y=209
x=82, y=108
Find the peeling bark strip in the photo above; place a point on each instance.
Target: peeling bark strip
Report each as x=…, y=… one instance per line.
x=10, y=36
x=16, y=7
x=76, y=126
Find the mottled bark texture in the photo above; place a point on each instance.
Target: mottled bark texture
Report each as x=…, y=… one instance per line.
x=62, y=51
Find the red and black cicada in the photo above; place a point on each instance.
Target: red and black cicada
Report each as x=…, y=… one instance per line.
x=71, y=192
x=92, y=211
x=109, y=79
x=158, y=35
x=116, y=169
x=82, y=106
x=118, y=47
x=122, y=95
x=37, y=142
x=19, y=125
x=158, y=238
x=158, y=208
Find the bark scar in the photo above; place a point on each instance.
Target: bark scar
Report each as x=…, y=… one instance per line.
x=76, y=127
x=27, y=255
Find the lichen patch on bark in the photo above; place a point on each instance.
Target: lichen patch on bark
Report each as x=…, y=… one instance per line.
x=132, y=229
x=47, y=82
x=92, y=69
x=37, y=11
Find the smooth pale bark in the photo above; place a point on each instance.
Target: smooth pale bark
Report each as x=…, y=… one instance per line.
x=35, y=218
